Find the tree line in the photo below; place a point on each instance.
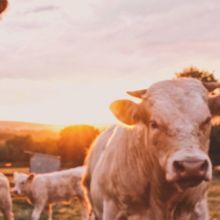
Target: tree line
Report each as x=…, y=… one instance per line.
x=72, y=145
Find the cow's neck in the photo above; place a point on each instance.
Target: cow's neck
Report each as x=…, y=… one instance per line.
x=131, y=156
x=138, y=152
x=166, y=199
x=171, y=199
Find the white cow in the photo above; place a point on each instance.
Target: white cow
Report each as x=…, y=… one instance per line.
x=5, y=198
x=156, y=166
x=44, y=189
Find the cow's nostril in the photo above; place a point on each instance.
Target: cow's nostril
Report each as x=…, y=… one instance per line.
x=191, y=169
x=179, y=166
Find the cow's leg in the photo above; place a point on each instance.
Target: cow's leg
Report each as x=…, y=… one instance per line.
x=201, y=211
x=38, y=208
x=142, y=216
x=8, y=215
x=49, y=212
x=93, y=217
x=84, y=207
x=110, y=211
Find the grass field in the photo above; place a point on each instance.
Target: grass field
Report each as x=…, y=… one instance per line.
x=65, y=211
x=71, y=211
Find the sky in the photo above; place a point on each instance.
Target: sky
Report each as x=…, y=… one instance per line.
x=64, y=62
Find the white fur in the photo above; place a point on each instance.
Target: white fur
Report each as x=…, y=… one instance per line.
x=44, y=189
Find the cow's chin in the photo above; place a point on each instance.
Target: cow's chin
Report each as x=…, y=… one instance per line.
x=190, y=182
x=186, y=182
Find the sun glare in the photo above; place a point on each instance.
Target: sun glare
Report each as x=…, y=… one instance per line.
x=62, y=102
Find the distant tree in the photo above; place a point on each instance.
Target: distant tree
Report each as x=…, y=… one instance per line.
x=75, y=141
x=13, y=145
x=13, y=149
x=194, y=72
x=214, y=150
x=47, y=146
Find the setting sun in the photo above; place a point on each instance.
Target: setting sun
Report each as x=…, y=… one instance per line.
x=60, y=102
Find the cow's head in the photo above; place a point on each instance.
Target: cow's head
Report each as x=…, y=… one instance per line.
x=22, y=183
x=177, y=115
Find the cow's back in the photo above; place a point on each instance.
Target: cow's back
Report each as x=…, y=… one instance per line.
x=58, y=186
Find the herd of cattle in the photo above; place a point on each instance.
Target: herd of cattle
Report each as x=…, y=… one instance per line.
x=153, y=166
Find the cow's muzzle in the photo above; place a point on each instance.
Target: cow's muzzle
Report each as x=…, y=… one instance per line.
x=189, y=173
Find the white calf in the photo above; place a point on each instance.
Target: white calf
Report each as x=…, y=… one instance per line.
x=44, y=189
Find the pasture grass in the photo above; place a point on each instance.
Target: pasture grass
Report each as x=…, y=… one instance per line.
x=65, y=211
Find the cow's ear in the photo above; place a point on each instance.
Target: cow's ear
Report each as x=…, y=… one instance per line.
x=211, y=86
x=30, y=177
x=214, y=105
x=126, y=111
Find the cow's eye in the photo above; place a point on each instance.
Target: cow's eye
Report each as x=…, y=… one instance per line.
x=154, y=124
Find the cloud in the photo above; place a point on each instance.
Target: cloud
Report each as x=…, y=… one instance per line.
x=107, y=38
x=45, y=8
x=74, y=56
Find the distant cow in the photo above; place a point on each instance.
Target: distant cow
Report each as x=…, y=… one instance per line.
x=5, y=198
x=156, y=167
x=44, y=189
